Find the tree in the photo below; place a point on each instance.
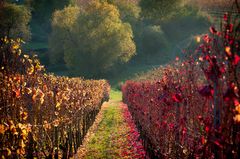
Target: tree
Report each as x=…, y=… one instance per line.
x=129, y=9
x=97, y=39
x=81, y=3
x=160, y=9
x=152, y=44
x=62, y=24
x=153, y=40
x=14, y=21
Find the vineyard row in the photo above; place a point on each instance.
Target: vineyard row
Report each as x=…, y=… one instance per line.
x=43, y=115
x=192, y=109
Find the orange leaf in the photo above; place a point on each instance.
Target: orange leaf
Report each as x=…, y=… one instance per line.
x=228, y=51
x=2, y=129
x=17, y=93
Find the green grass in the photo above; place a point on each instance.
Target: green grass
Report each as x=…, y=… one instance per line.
x=115, y=95
x=101, y=146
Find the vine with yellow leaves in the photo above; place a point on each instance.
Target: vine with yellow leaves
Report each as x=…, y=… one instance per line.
x=43, y=115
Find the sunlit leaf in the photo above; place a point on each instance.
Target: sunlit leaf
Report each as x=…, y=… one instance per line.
x=2, y=129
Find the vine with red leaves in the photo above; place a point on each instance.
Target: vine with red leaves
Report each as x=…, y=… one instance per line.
x=193, y=109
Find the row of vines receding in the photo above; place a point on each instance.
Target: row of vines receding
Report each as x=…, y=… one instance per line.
x=192, y=110
x=43, y=115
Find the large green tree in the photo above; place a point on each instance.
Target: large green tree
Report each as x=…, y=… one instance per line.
x=62, y=24
x=92, y=40
x=14, y=20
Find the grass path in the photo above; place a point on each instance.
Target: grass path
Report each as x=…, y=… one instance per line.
x=113, y=135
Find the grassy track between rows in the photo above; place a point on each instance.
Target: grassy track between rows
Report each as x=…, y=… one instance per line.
x=101, y=145
x=97, y=143
x=113, y=135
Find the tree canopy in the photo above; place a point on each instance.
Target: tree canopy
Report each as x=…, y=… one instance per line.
x=129, y=10
x=159, y=9
x=92, y=40
x=14, y=21
x=62, y=24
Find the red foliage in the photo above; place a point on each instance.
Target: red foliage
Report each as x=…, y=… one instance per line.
x=213, y=30
x=236, y=59
x=180, y=123
x=136, y=149
x=177, y=97
x=206, y=91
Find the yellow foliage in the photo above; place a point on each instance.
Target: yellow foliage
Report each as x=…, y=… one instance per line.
x=9, y=152
x=58, y=105
x=33, y=108
x=15, y=46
